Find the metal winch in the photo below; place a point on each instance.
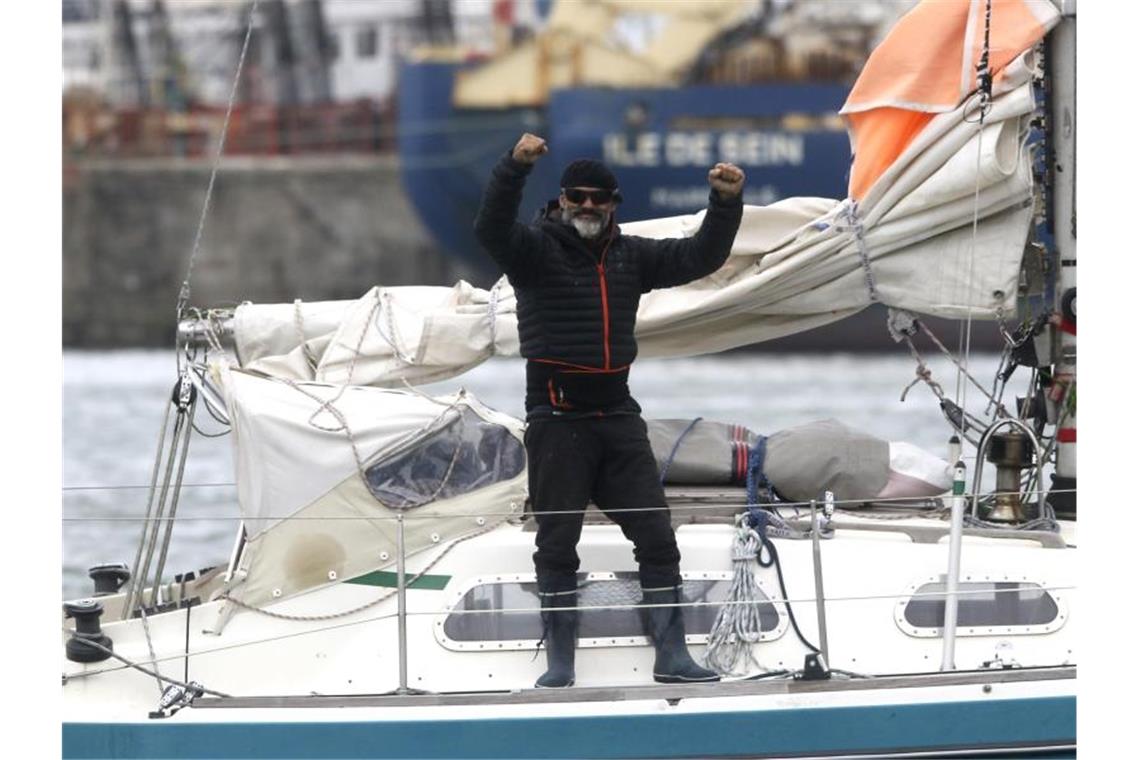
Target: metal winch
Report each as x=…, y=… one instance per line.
x=1010, y=451
x=88, y=643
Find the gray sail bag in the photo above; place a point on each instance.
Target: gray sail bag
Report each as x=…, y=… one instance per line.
x=800, y=463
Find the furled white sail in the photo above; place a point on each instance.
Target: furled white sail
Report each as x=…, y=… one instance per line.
x=940, y=231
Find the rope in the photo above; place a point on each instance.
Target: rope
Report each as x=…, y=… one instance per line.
x=366, y=605
x=676, y=447
x=850, y=213
x=923, y=374
x=150, y=648
x=139, y=487
x=738, y=624
x=384, y=298
x=329, y=406
x=954, y=360
x=985, y=83
x=140, y=668
x=299, y=326
x=956, y=414
x=184, y=291
x=755, y=477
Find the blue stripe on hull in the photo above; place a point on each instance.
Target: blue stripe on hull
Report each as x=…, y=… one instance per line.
x=942, y=726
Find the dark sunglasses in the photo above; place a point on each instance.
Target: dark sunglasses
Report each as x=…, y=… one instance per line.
x=599, y=197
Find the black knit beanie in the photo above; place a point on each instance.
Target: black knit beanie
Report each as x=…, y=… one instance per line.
x=586, y=172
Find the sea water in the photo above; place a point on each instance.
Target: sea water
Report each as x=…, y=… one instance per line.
x=114, y=403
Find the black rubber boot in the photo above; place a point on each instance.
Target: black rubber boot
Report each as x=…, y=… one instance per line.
x=666, y=629
x=560, y=632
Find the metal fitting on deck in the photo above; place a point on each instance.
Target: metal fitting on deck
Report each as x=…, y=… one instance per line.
x=79, y=647
x=1010, y=452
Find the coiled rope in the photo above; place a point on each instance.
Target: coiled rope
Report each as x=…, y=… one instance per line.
x=739, y=624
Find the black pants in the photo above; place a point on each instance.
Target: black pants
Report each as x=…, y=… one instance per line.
x=609, y=460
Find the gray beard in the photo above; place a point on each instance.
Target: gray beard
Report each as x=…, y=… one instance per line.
x=589, y=227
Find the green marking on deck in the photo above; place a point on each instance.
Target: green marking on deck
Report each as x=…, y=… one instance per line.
x=388, y=579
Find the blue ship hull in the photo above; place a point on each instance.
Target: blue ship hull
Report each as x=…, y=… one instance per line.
x=447, y=153
x=661, y=160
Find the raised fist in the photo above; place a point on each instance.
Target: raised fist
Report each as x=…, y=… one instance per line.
x=529, y=148
x=727, y=180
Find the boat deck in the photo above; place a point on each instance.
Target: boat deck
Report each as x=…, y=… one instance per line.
x=669, y=692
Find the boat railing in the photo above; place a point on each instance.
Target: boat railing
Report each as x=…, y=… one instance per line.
x=821, y=520
x=718, y=505
x=925, y=521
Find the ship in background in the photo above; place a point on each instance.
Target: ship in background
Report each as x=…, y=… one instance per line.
x=660, y=90
x=151, y=78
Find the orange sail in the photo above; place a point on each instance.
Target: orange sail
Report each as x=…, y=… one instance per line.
x=928, y=65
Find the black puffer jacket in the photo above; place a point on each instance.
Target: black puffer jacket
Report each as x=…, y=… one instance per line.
x=577, y=302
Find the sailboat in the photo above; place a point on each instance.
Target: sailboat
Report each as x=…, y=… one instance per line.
x=865, y=599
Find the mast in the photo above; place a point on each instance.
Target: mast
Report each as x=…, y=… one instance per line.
x=1062, y=75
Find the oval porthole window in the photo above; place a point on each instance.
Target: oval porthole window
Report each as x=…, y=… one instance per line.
x=1012, y=606
x=508, y=612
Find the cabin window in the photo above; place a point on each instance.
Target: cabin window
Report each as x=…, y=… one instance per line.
x=984, y=607
x=503, y=613
x=464, y=454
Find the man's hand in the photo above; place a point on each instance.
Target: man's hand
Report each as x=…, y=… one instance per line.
x=529, y=148
x=726, y=179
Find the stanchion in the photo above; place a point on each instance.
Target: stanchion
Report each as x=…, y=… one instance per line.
x=950, y=619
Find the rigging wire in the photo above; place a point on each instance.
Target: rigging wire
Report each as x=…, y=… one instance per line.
x=985, y=85
x=184, y=291
x=130, y=664
x=898, y=502
x=142, y=487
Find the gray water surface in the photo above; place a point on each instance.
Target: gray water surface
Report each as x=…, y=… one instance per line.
x=114, y=403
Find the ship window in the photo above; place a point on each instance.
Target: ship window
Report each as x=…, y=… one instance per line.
x=465, y=454
x=367, y=42
x=983, y=605
x=509, y=611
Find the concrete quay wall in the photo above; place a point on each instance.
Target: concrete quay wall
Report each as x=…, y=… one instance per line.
x=314, y=228
x=318, y=228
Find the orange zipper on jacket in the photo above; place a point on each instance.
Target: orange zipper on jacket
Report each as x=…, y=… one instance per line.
x=605, y=303
x=605, y=316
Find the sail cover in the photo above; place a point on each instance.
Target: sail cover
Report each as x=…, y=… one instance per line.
x=936, y=223
x=323, y=472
